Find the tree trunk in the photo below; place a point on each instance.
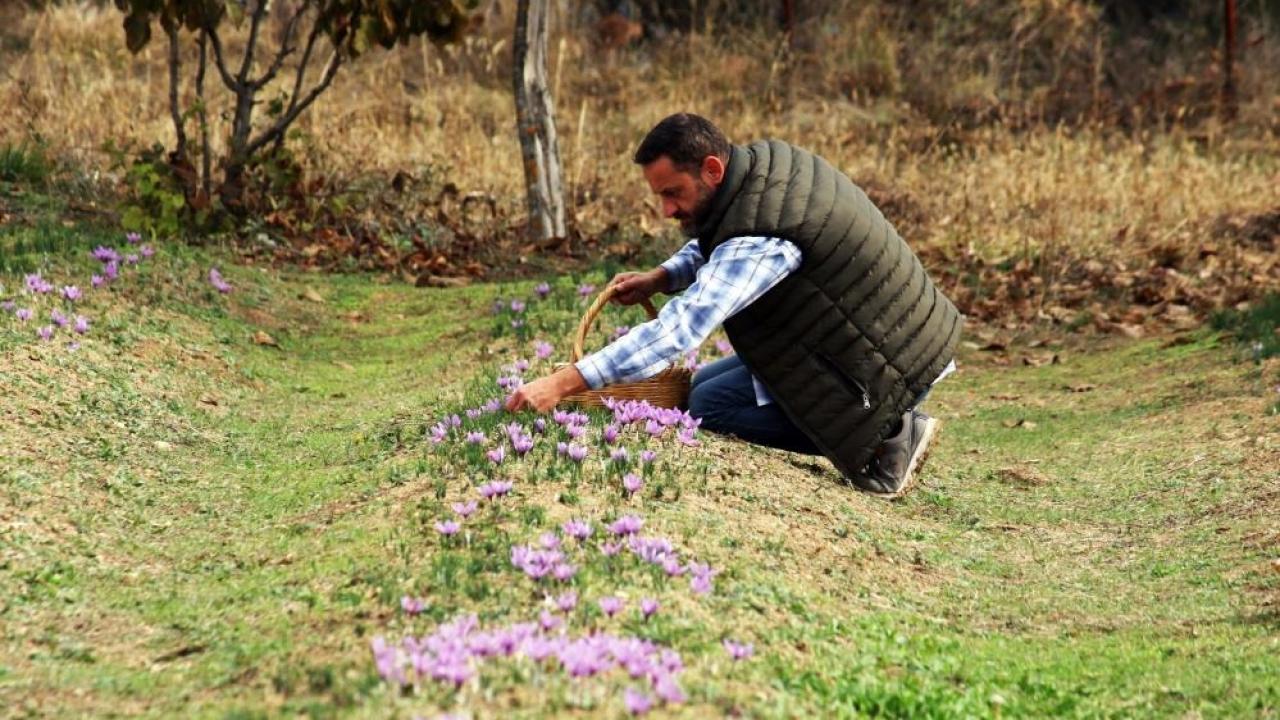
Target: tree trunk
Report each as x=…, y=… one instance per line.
x=1228, y=60
x=535, y=122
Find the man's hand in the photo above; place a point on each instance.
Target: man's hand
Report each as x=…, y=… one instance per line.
x=635, y=287
x=542, y=394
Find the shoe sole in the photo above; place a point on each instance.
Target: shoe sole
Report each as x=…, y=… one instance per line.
x=922, y=453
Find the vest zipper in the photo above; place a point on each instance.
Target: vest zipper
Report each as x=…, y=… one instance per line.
x=844, y=378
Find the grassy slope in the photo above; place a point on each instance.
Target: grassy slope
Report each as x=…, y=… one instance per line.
x=189, y=520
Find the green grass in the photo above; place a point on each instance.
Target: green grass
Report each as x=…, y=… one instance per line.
x=194, y=524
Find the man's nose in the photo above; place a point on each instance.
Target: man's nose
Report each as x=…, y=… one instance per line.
x=669, y=208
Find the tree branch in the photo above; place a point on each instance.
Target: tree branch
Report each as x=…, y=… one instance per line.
x=285, y=49
x=206, y=182
x=255, y=24
x=218, y=61
x=300, y=76
x=175, y=66
x=276, y=130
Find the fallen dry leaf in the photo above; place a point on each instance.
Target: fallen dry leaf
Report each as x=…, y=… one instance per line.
x=1020, y=422
x=1022, y=475
x=311, y=295
x=1080, y=387
x=262, y=338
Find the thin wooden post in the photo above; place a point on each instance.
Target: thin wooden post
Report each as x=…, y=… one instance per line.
x=535, y=122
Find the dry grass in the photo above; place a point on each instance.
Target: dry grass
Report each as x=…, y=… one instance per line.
x=447, y=116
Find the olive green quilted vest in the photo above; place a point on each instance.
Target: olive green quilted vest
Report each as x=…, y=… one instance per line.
x=848, y=341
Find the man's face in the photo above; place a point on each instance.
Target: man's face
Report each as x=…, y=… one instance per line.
x=685, y=196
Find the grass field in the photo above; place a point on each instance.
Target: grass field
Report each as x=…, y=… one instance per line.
x=194, y=523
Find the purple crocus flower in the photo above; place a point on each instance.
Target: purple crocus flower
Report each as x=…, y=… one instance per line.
x=97, y=281
x=497, y=455
x=82, y=325
x=637, y=703
x=610, y=433
x=411, y=605
x=549, y=540
x=648, y=606
x=112, y=271
x=464, y=509
x=567, y=601
x=23, y=314
x=439, y=432
x=611, y=605
x=577, y=453
x=620, y=331
x=609, y=549
x=495, y=489
x=665, y=687
x=492, y=405
x=105, y=254
x=131, y=259
x=542, y=349
x=517, y=323
x=475, y=437
x=738, y=651
x=522, y=444
x=647, y=456
x=73, y=346
x=549, y=622
x=539, y=425
x=562, y=448
x=618, y=455
x=723, y=347
x=564, y=572
x=58, y=318
x=542, y=290
x=685, y=436
x=517, y=306
x=585, y=290
x=632, y=483
x=8, y=305
x=521, y=365
x=473, y=413
x=576, y=529
x=575, y=431
x=71, y=293
x=45, y=332
x=133, y=238
x=448, y=527
x=672, y=567
x=215, y=279
x=147, y=251
x=626, y=525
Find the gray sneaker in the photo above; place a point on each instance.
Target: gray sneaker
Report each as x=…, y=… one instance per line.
x=894, y=466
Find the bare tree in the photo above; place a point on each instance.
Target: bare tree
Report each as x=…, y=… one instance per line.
x=536, y=122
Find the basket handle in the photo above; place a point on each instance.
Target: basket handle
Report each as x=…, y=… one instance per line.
x=589, y=318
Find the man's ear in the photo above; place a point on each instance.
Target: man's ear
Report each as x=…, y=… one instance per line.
x=712, y=170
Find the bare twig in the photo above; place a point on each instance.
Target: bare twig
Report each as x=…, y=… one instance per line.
x=275, y=132
x=299, y=78
x=286, y=49
x=175, y=67
x=218, y=60
x=255, y=23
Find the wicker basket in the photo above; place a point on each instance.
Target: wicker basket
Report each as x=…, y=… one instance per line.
x=668, y=389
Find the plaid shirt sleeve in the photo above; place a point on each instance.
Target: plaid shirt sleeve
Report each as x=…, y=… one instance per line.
x=738, y=272
x=682, y=266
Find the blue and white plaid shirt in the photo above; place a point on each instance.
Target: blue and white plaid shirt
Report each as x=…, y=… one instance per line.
x=738, y=272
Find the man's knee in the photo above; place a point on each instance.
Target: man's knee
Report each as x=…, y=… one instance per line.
x=708, y=403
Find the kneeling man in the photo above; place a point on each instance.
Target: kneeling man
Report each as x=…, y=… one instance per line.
x=838, y=332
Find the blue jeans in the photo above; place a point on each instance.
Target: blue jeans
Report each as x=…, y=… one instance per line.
x=723, y=395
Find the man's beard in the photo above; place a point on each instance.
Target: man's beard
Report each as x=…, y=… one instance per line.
x=692, y=220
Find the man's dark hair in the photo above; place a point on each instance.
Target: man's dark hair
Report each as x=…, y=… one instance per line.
x=685, y=138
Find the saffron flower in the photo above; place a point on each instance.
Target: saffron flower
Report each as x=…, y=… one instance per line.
x=71, y=293
x=665, y=687
x=475, y=437
x=562, y=448
x=542, y=349
x=585, y=290
x=8, y=305
x=575, y=431
x=521, y=365
x=215, y=279
x=637, y=702
x=626, y=525
x=439, y=432
x=577, y=453
x=412, y=606
x=542, y=290
x=82, y=325
x=539, y=425
x=620, y=331
x=564, y=572
x=23, y=314
x=738, y=651
x=610, y=433
x=495, y=489
x=96, y=281
x=549, y=540
x=464, y=509
x=517, y=323
x=654, y=428
x=549, y=622
x=672, y=567
x=131, y=259
x=632, y=483
x=517, y=306
x=611, y=605
x=448, y=527
x=618, y=455
x=723, y=347
x=648, y=606
x=45, y=332
x=685, y=436
x=147, y=251
x=112, y=271
x=522, y=444
x=576, y=529
x=610, y=549
x=567, y=601
x=58, y=318
x=496, y=455
x=105, y=254
x=473, y=413
x=133, y=238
